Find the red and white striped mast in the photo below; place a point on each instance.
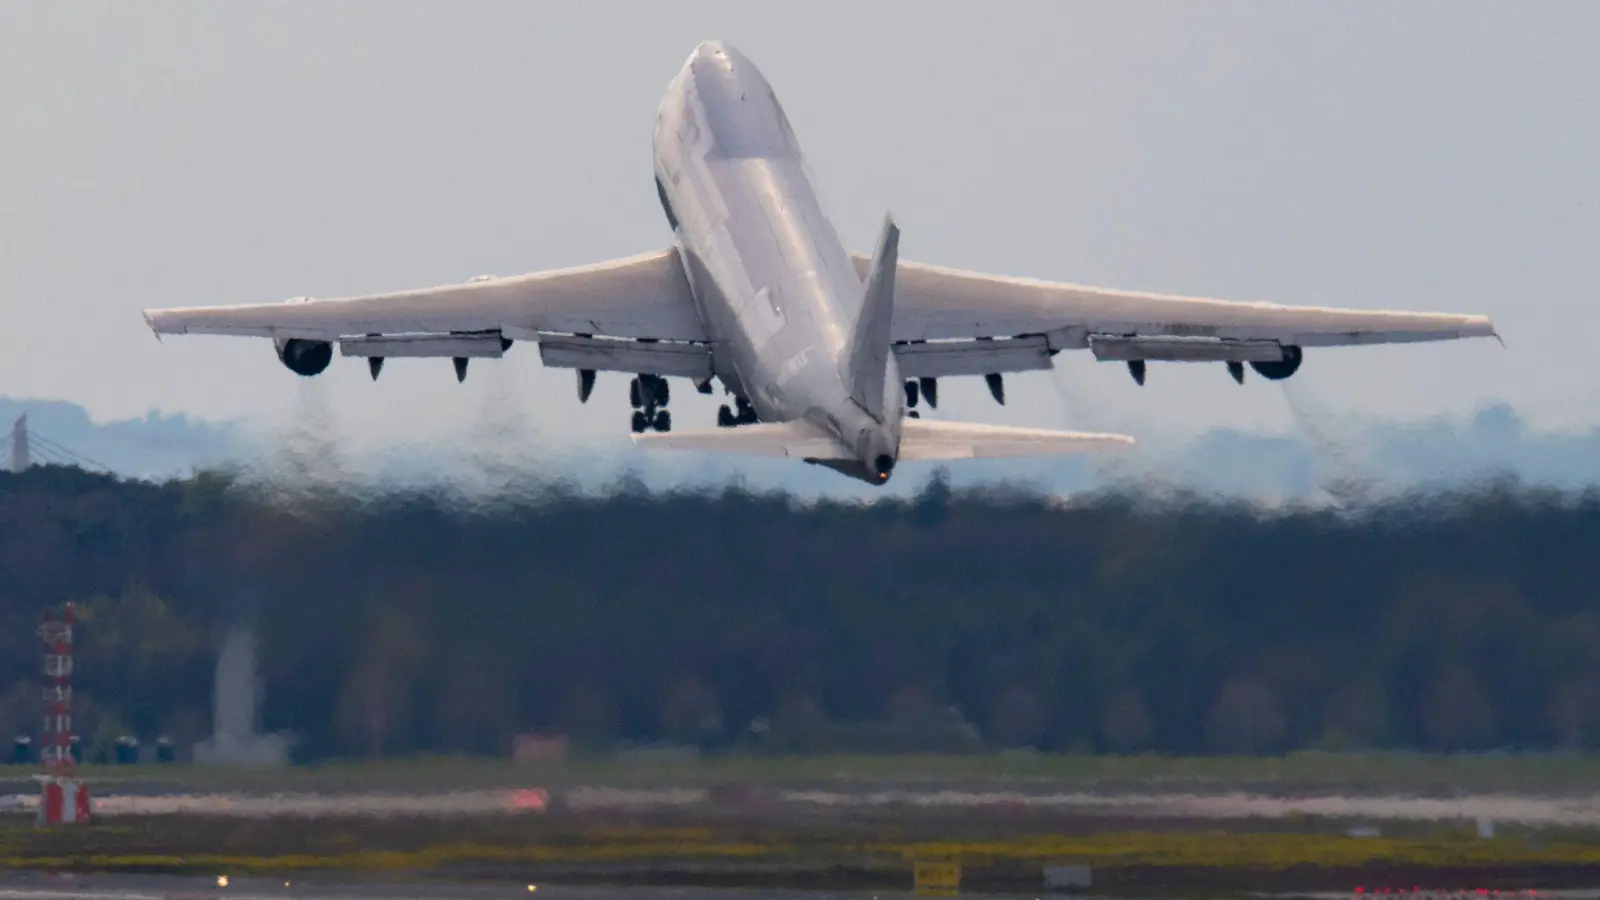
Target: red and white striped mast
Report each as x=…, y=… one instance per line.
x=56, y=754
x=63, y=798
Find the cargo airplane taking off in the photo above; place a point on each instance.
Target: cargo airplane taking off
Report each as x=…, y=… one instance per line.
x=826, y=354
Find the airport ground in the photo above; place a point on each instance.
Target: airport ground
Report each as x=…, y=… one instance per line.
x=1142, y=825
x=1300, y=772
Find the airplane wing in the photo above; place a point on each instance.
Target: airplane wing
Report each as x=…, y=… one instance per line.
x=635, y=314
x=946, y=322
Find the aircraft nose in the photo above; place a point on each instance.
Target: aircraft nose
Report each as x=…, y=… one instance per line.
x=709, y=49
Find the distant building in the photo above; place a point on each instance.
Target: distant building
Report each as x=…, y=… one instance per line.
x=236, y=738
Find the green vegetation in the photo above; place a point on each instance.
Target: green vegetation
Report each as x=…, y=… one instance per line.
x=1300, y=771
x=956, y=622
x=586, y=852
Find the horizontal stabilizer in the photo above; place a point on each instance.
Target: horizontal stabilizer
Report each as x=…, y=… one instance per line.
x=796, y=440
x=924, y=439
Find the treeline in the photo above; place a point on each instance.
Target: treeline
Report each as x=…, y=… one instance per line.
x=412, y=622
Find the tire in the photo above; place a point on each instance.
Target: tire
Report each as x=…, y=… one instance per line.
x=639, y=423
x=725, y=417
x=663, y=421
x=662, y=392
x=634, y=394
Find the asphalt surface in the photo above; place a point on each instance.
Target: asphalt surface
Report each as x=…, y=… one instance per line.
x=44, y=886
x=23, y=886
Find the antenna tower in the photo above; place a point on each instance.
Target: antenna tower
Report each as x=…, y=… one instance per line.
x=63, y=798
x=21, y=458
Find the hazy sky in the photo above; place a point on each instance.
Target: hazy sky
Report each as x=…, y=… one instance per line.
x=1418, y=155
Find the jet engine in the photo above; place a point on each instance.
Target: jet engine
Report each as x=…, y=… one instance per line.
x=1283, y=368
x=304, y=357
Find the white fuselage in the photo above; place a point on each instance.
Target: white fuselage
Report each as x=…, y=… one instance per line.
x=774, y=287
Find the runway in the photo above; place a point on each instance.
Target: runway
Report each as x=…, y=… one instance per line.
x=135, y=887
x=23, y=886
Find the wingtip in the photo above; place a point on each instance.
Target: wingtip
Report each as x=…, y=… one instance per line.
x=1483, y=326
x=150, y=322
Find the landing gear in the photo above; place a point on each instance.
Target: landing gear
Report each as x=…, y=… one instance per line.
x=727, y=418
x=648, y=394
x=913, y=393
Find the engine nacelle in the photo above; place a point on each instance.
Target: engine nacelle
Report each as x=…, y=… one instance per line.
x=1283, y=368
x=304, y=357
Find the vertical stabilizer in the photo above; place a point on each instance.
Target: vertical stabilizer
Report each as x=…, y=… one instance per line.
x=866, y=361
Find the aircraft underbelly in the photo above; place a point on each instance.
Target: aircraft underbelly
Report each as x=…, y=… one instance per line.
x=775, y=295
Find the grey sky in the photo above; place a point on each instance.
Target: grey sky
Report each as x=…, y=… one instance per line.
x=1425, y=155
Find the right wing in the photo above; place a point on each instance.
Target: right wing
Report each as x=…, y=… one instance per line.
x=602, y=316
x=945, y=321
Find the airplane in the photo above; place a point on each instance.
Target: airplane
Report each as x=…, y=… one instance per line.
x=826, y=353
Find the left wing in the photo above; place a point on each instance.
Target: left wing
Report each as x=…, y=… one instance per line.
x=956, y=311
x=634, y=314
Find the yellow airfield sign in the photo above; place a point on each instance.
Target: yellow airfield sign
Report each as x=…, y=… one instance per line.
x=936, y=878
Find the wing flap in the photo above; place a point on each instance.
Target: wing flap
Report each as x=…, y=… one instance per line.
x=923, y=439
x=644, y=296
x=943, y=359
x=794, y=440
x=612, y=355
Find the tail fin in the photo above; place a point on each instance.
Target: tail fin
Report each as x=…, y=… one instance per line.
x=866, y=362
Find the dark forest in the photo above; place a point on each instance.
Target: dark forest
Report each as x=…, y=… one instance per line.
x=958, y=620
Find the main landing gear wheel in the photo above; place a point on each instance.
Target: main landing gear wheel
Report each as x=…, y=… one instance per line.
x=648, y=395
x=727, y=418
